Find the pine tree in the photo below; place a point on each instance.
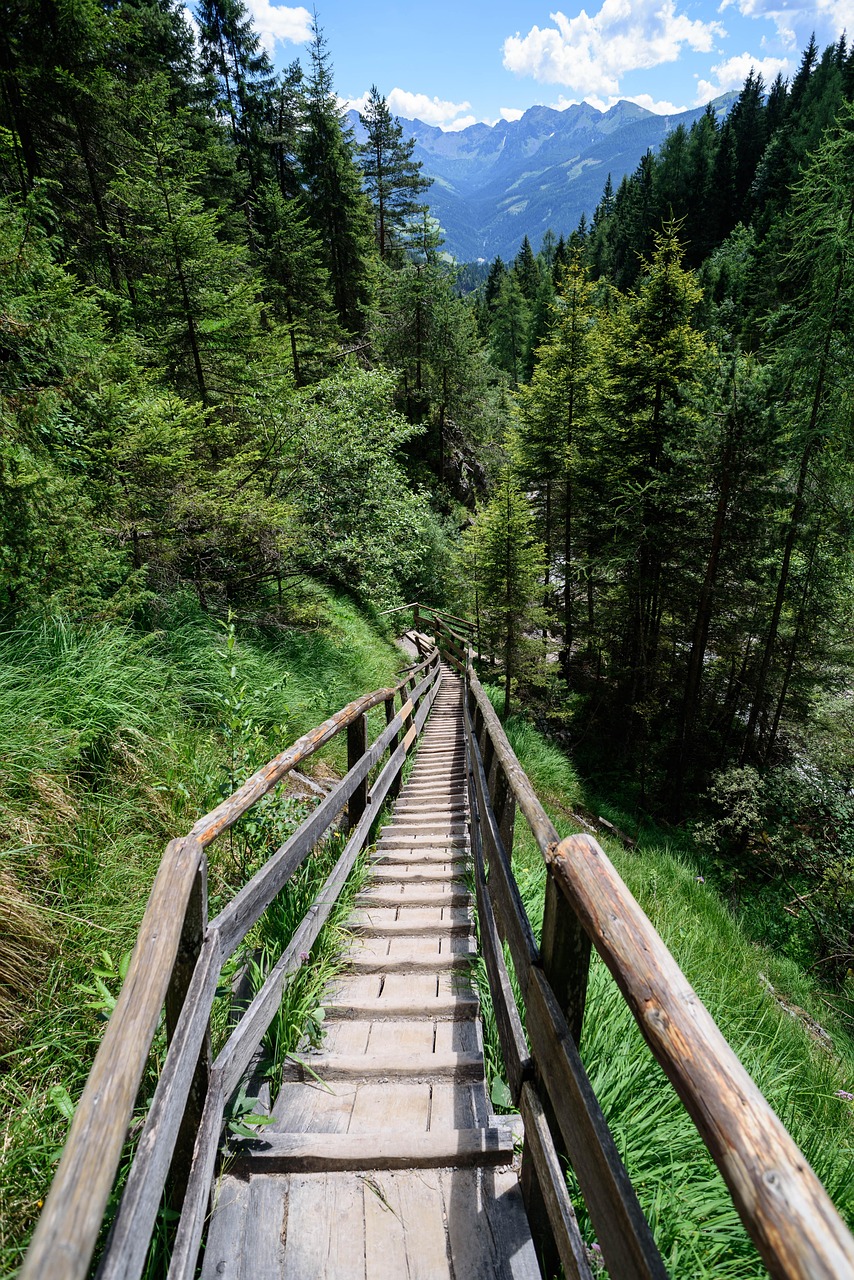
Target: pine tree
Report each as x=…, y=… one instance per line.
x=242, y=79
x=337, y=208
x=555, y=415
x=393, y=179
x=510, y=565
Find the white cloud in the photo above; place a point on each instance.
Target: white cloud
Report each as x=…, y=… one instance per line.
x=733, y=73
x=278, y=24
x=511, y=113
x=835, y=16
x=463, y=123
x=418, y=106
x=590, y=54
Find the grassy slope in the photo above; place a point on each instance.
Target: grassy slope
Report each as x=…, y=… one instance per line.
x=113, y=741
x=680, y=1190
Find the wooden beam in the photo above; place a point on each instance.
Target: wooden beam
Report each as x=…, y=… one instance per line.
x=786, y=1210
x=67, y=1231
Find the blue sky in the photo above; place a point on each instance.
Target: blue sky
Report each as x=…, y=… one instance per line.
x=453, y=63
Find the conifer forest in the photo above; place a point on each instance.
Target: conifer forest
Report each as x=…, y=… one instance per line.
x=244, y=390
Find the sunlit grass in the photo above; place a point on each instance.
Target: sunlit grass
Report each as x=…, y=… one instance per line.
x=112, y=741
x=682, y=1193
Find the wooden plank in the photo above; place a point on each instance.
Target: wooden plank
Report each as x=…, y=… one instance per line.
x=512, y=918
x=526, y=798
x=336, y=1152
x=514, y=1047
x=417, y=1200
x=565, y=949
x=540, y=1149
x=505, y=1213
x=325, y=1234
x=627, y=1245
x=206, y=829
x=224, y=1247
x=67, y=1231
x=189, y=951
x=263, y=1247
x=311, y=1108
x=391, y=1105
x=185, y=1250
x=385, y=1233
x=127, y=1247
x=357, y=745
x=462, y=1066
x=415, y=1035
x=782, y=1203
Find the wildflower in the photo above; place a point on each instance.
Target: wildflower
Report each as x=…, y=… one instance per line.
x=596, y=1247
x=844, y=1095
x=701, y=879
x=303, y=956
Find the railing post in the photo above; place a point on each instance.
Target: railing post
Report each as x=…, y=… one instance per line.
x=504, y=805
x=394, y=789
x=189, y=948
x=565, y=957
x=565, y=952
x=357, y=745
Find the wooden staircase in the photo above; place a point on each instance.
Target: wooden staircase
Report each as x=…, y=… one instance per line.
x=385, y=1159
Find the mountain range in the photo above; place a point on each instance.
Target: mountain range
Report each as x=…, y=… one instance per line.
x=495, y=184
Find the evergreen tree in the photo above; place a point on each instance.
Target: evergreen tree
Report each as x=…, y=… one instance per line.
x=555, y=416
x=392, y=177
x=509, y=565
x=337, y=208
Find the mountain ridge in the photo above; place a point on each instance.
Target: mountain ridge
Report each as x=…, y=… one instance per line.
x=495, y=184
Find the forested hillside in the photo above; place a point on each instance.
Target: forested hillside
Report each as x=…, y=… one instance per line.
x=239, y=380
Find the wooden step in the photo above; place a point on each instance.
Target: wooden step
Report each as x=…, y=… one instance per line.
x=410, y=963
x=455, y=1008
x=326, y=1152
x=395, y=872
x=407, y=1066
x=414, y=894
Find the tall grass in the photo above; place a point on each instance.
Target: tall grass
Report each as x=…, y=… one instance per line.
x=112, y=741
x=680, y=1190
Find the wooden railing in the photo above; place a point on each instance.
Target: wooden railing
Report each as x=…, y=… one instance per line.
x=177, y=961
x=784, y=1207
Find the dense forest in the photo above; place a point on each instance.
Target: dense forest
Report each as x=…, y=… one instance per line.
x=235, y=363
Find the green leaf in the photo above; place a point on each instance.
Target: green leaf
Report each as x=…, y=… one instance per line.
x=500, y=1093
x=61, y=1099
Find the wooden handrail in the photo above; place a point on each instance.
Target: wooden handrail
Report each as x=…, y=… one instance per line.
x=784, y=1207
x=67, y=1231
x=786, y=1210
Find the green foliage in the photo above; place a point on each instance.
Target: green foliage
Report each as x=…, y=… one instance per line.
x=506, y=565
x=767, y=1008
x=114, y=741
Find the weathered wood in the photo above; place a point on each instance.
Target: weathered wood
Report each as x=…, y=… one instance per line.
x=188, y=1237
x=565, y=950
x=357, y=745
x=189, y=950
x=126, y=1250
x=238, y=1049
x=67, y=1231
x=331, y=1066
x=226, y=814
x=247, y=906
x=394, y=789
x=540, y=1152
x=785, y=1208
x=512, y=919
x=331, y=1152
x=526, y=799
x=514, y=1047
x=627, y=1245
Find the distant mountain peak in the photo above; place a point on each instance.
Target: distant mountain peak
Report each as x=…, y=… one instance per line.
x=495, y=184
